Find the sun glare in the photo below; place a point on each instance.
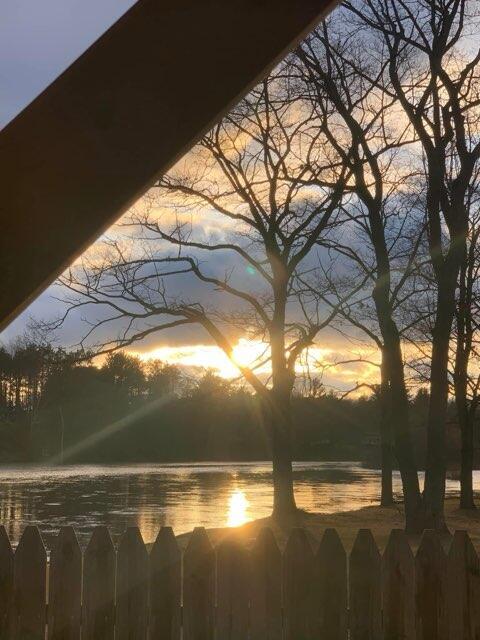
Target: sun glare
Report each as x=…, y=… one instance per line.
x=196, y=356
x=247, y=353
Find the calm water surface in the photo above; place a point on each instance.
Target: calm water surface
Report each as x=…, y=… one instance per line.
x=183, y=496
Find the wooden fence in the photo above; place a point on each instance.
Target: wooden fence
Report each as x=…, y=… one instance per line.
x=231, y=593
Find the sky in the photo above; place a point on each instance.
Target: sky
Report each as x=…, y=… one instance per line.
x=38, y=40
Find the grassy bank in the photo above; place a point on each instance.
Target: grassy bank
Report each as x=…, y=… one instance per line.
x=381, y=520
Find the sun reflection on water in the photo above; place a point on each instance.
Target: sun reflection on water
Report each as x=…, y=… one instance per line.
x=181, y=495
x=237, y=509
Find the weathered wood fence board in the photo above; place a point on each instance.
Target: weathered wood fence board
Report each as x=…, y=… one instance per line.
x=65, y=587
x=233, y=591
x=6, y=584
x=266, y=588
x=365, y=586
x=299, y=603
x=29, y=587
x=311, y=591
x=99, y=587
x=332, y=583
x=398, y=580
x=165, y=587
x=199, y=588
x=131, y=587
x=430, y=591
x=463, y=584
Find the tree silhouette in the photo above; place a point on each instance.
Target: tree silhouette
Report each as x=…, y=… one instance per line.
x=244, y=200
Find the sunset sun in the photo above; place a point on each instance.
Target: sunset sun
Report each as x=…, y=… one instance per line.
x=246, y=353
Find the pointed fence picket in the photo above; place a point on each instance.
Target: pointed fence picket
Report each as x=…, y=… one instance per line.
x=398, y=588
x=99, y=587
x=332, y=582
x=365, y=588
x=131, y=587
x=199, y=588
x=266, y=588
x=165, y=587
x=298, y=599
x=430, y=591
x=233, y=591
x=65, y=587
x=310, y=591
x=6, y=584
x=463, y=588
x=29, y=587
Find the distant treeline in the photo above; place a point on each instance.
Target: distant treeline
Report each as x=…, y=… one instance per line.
x=127, y=410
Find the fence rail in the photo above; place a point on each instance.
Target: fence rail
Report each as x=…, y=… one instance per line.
x=234, y=593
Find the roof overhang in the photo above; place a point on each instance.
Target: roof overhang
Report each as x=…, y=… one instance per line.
x=81, y=153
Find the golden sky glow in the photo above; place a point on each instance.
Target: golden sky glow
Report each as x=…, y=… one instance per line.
x=245, y=353
x=320, y=360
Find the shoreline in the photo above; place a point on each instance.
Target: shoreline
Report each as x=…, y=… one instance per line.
x=381, y=520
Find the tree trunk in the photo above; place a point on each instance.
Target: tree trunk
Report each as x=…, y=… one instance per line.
x=400, y=425
x=283, y=493
x=404, y=452
x=399, y=408
x=386, y=498
x=465, y=421
x=463, y=350
x=278, y=421
x=435, y=472
x=279, y=400
x=436, y=467
x=466, y=466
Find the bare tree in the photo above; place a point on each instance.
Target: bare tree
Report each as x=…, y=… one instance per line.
x=433, y=74
x=343, y=78
x=245, y=200
x=355, y=318
x=465, y=376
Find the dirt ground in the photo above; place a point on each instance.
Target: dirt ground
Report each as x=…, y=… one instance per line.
x=381, y=520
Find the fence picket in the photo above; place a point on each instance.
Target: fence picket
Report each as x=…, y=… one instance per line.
x=331, y=565
x=266, y=588
x=233, y=591
x=365, y=588
x=430, y=590
x=29, y=590
x=131, y=587
x=299, y=605
x=259, y=594
x=6, y=584
x=64, y=600
x=165, y=587
x=199, y=588
x=398, y=586
x=463, y=588
x=99, y=587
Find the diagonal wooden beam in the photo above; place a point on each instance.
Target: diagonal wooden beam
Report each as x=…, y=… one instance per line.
x=77, y=157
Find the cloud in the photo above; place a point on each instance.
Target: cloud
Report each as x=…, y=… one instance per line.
x=339, y=369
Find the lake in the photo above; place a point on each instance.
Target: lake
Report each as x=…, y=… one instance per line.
x=180, y=495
